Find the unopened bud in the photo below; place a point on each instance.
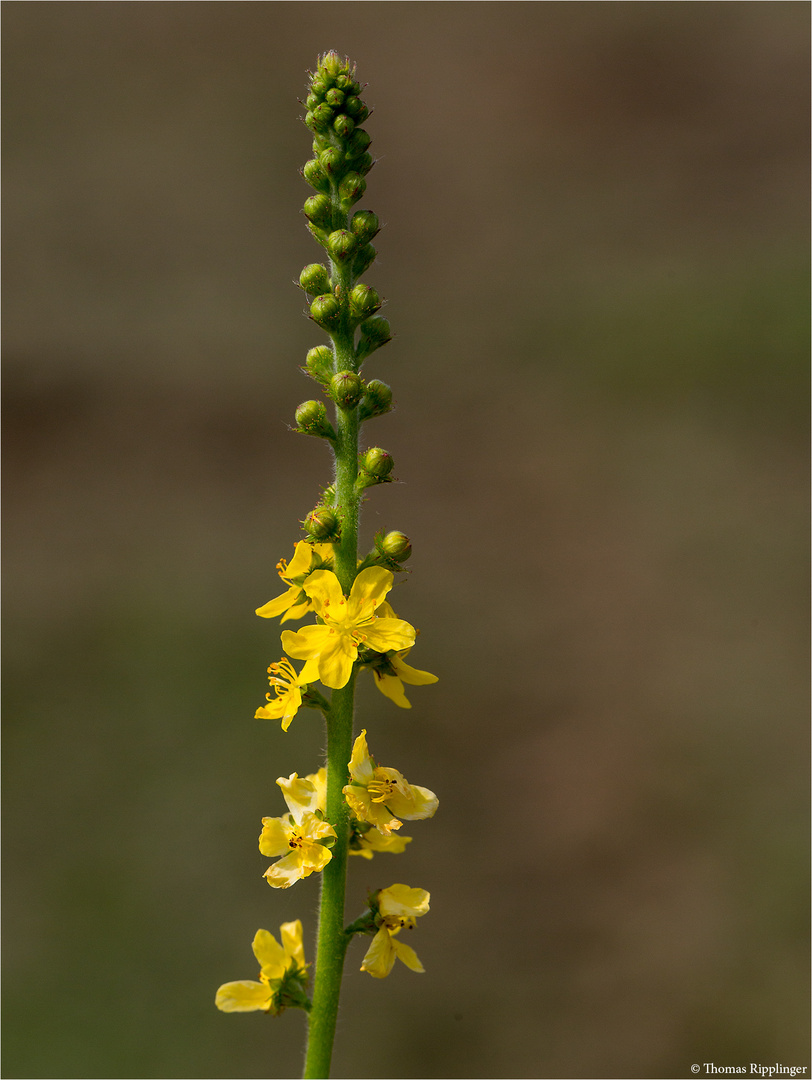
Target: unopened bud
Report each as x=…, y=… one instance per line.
x=374, y=333
x=315, y=280
x=322, y=118
x=334, y=97
x=346, y=389
x=377, y=463
x=319, y=364
x=365, y=225
x=364, y=302
x=341, y=244
x=311, y=419
x=364, y=258
x=331, y=159
x=315, y=175
x=319, y=210
x=321, y=524
x=363, y=164
x=325, y=312
x=356, y=109
x=351, y=188
x=376, y=401
x=344, y=126
x=358, y=143
x=396, y=545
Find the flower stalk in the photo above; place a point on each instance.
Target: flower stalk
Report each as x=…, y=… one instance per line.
x=351, y=805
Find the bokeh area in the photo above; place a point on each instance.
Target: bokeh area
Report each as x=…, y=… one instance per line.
x=595, y=262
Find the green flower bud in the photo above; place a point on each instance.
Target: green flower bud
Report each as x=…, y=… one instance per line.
x=364, y=258
x=395, y=545
x=341, y=244
x=325, y=312
x=334, y=97
x=376, y=401
x=377, y=462
x=311, y=419
x=363, y=164
x=351, y=188
x=319, y=86
x=319, y=210
x=315, y=175
x=355, y=108
x=331, y=159
x=358, y=143
x=364, y=302
x=365, y=225
x=319, y=364
x=346, y=389
x=374, y=333
x=312, y=101
x=321, y=524
x=343, y=126
x=315, y=280
x=322, y=118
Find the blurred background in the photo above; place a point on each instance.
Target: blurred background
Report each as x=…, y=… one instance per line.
x=596, y=265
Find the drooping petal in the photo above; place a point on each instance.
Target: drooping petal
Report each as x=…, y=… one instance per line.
x=380, y=957
x=374, y=842
x=307, y=643
x=385, y=634
x=297, y=611
x=411, y=675
x=422, y=804
x=287, y=871
x=270, y=955
x=301, y=562
x=407, y=954
x=402, y=901
x=244, y=996
x=300, y=794
x=291, y=933
x=391, y=686
x=273, y=840
x=281, y=603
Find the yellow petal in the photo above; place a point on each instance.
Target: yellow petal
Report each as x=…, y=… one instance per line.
x=280, y=604
x=270, y=954
x=300, y=794
x=407, y=954
x=243, y=996
x=301, y=562
x=291, y=933
x=403, y=901
x=424, y=804
x=372, y=584
x=411, y=675
x=287, y=871
x=385, y=634
x=305, y=644
x=336, y=658
x=298, y=610
x=380, y=957
x=392, y=687
x=324, y=588
x=273, y=840
x=361, y=768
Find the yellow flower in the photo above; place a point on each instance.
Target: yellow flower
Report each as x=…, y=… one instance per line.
x=294, y=603
x=288, y=686
x=391, y=672
x=277, y=964
x=376, y=794
x=398, y=907
x=347, y=623
x=371, y=843
x=297, y=836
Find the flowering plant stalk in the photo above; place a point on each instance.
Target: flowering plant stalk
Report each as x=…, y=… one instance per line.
x=351, y=805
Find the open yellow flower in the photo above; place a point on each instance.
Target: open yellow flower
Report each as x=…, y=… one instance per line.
x=275, y=963
x=381, y=795
x=297, y=836
x=347, y=623
x=398, y=907
x=288, y=686
x=391, y=671
x=294, y=603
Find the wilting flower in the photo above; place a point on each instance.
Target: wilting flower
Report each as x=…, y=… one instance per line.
x=294, y=603
x=381, y=795
x=371, y=842
x=282, y=974
x=347, y=623
x=398, y=908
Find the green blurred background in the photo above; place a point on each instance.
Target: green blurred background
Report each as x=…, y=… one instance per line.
x=595, y=260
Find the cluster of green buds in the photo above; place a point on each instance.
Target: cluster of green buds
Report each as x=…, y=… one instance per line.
x=345, y=308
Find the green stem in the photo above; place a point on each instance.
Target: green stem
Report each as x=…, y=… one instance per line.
x=332, y=939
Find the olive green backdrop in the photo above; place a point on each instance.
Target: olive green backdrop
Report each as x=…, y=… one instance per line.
x=595, y=261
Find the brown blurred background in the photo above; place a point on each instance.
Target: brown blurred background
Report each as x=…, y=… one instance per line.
x=595, y=260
